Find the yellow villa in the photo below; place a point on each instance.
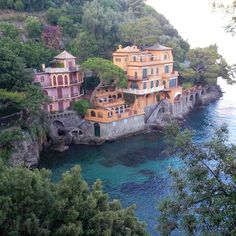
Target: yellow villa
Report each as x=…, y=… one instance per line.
x=150, y=72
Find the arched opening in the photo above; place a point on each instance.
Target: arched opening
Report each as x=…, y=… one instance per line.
x=164, y=84
x=60, y=80
x=97, y=130
x=60, y=127
x=119, y=95
x=100, y=115
x=45, y=92
x=54, y=81
x=177, y=98
x=114, y=97
x=93, y=113
x=191, y=98
x=66, y=80
x=161, y=110
x=121, y=109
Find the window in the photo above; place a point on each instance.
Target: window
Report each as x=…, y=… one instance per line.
x=66, y=80
x=151, y=84
x=167, y=69
x=141, y=59
x=157, y=71
x=144, y=85
x=152, y=71
x=135, y=74
x=133, y=85
x=134, y=58
x=118, y=59
x=173, y=83
x=165, y=57
x=60, y=80
x=121, y=109
x=157, y=83
x=93, y=114
x=145, y=73
x=119, y=95
x=54, y=81
x=42, y=79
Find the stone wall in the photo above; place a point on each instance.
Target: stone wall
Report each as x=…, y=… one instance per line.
x=164, y=111
x=120, y=128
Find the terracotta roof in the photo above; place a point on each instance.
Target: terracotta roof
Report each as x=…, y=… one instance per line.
x=158, y=46
x=64, y=55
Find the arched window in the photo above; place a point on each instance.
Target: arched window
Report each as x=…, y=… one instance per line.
x=119, y=95
x=93, y=113
x=117, y=109
x=66, y=80
x=121, y=109
x=42, y=79
x=60, y=80
x=134, y=58
x=54, y=81
x=165, y=57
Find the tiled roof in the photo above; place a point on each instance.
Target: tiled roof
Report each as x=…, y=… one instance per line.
x=64, y=55
x=157, y=46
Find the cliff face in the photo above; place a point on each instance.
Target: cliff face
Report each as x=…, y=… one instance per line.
x=26, y=151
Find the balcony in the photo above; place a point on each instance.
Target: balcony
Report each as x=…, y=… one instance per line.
x=144, y=91
x=46, y=85
x=139, y=78
x=170, y=75
x=67, y=97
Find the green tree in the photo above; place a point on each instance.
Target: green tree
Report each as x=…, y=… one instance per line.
x=32, y=205
x=13, y=74
x=33, y=27
x=204, y=187
x=81, y=107
x=107, y=72
x=207, y=65
x=9, y=30
x=144, y=31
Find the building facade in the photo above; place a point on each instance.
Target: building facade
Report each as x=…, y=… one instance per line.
x=150, y=73
x=61, y=82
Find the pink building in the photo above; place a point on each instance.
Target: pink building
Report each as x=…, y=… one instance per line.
x=61, y=82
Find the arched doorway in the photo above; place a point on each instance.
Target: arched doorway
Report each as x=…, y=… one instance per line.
x=97, y=132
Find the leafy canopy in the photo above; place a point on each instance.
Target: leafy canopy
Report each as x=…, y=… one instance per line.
x=203, y=199
x=31, y=204
x=106, y=71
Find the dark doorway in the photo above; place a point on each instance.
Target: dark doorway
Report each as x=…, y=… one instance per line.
x=97, y=130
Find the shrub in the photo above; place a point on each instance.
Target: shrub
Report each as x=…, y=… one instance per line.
x=81, y=107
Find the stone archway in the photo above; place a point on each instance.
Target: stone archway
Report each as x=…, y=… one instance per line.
x=59, y=126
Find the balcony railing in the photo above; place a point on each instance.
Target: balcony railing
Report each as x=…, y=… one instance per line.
x=67, y=96
x=144, y=91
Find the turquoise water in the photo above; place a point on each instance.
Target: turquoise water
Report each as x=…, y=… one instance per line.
x=135, y=169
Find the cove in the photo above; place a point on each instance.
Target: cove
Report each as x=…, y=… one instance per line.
x=135, y=169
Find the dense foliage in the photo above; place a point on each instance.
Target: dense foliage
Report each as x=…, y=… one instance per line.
x=89, y=28
x=81, y=107
x=204, y=188
x=32, y=205
x=205, y=66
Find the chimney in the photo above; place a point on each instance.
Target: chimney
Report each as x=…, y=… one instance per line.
x=43, y=67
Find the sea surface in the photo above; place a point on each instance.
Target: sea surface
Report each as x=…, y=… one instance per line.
x=135, y=169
